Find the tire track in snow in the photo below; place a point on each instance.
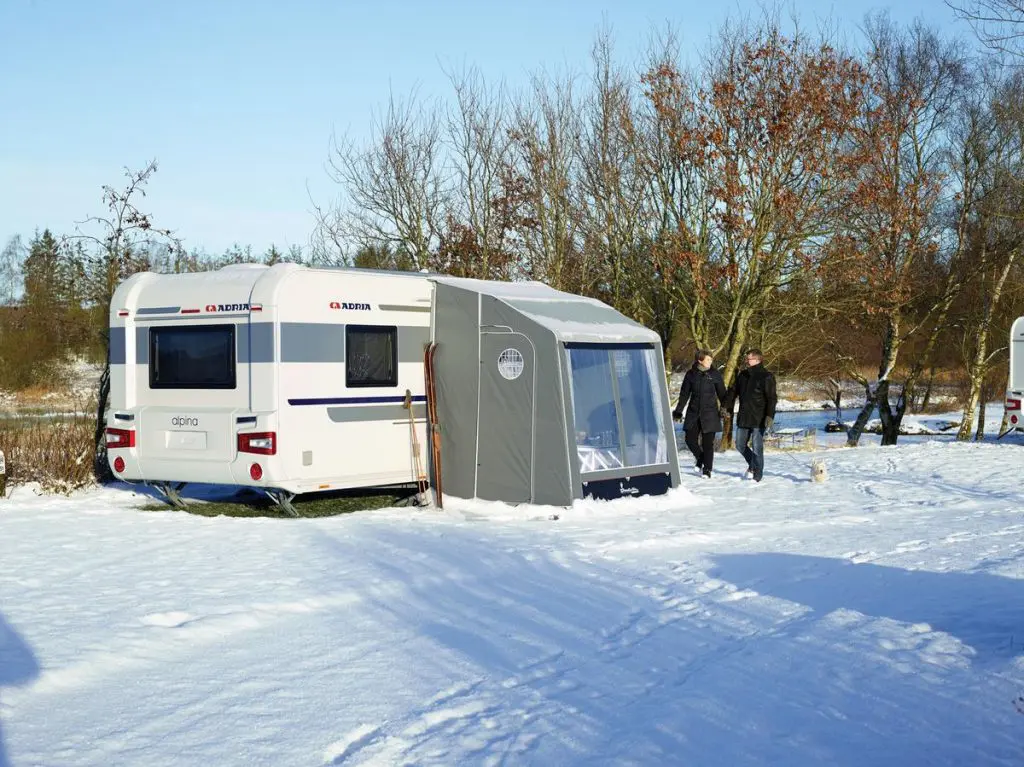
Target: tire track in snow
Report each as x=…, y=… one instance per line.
x=175, y=633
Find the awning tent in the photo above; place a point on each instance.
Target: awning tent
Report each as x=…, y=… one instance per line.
x=546, y=397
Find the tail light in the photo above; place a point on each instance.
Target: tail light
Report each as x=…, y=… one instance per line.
x=119, y=438
x=259, y=442
x=256, y=472
x=1013, y=404
x=119, y=464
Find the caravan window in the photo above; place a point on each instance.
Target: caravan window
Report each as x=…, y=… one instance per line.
x=192, y=357
x=371, y=355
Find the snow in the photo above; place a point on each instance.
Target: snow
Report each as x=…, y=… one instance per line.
x=520, y=290
x=875, y=618
x=590, y=331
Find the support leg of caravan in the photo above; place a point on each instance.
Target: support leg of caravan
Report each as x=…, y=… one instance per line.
x=171, y=492
x=284, y=501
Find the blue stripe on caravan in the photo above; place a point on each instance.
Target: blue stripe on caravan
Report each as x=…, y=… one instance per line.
x=354, y=400
x=142, y=346
x=255, y=342
x=117, y=347
x=261, y=341
x=312, y=342
x=158, y=310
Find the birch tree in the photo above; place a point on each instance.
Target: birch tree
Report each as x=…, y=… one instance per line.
x=891, y=223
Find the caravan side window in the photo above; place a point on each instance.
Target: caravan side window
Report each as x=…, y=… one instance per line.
x=371, y=355
x=192, y=357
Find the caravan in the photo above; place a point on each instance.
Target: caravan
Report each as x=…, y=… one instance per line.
x=295, y=380
x=1015, y=388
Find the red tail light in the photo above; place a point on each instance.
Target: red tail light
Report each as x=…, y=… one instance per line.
x=119, y=438
x=119, y=464
x=259, y=442
x=1013, y=404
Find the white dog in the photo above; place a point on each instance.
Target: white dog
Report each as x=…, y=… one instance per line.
x=819, y=472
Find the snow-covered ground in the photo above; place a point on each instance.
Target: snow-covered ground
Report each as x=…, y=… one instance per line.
x=873, y=619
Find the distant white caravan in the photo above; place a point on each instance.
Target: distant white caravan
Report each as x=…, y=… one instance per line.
x=1015, y=388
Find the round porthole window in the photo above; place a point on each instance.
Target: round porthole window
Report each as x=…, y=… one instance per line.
x=510, y=364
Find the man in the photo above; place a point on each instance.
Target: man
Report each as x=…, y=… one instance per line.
x=755, y=390
x=702, y=394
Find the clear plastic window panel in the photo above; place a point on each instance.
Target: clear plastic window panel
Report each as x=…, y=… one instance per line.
x=593, y=402
x=642, y=417
x=616, y=405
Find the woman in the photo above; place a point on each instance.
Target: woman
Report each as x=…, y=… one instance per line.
x=703, y=394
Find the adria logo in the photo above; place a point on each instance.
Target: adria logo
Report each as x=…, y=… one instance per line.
x=227, y=307
x=358, y=307
x=211, y=308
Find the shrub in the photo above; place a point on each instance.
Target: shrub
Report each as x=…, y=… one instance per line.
x=57, y=453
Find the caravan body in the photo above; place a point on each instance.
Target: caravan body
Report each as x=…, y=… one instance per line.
x=297, y=380
x=1015, y=390
x=282, y=377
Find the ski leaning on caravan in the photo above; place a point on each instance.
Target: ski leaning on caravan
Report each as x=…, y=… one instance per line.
x=297, y=380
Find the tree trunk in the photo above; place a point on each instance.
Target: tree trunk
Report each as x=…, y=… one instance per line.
x=927, y=390
x=890, y=351
x=979, y=434
x=732, y=363
x=101, y=469
x=967, y=419
x=854, y=432
x=890, y=421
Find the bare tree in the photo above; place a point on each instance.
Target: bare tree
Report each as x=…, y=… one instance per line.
x=541, y=182
x=613, y=189
x=475, y=231
x=999, y=240
x=392, y=191
x=11, y=259
x=117, y=245
x=998, y=24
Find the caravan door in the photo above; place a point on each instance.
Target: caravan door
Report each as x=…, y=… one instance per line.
x=505, y=447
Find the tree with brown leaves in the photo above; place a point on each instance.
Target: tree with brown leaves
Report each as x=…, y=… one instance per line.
x=890, y=224
x=754, y=162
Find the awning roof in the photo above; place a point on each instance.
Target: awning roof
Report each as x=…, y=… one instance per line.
x=570, y=317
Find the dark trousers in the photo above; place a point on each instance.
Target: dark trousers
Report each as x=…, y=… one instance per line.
x=702, y=445
x=750, y=444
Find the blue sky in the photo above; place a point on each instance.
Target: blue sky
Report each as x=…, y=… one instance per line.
x=237, y=101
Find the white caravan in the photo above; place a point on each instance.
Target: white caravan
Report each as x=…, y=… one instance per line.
x=295, y=380
x=203, y=365
x=1015, y=390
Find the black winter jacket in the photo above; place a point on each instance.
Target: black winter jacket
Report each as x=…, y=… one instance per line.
x=703, y=393
x=755, y=390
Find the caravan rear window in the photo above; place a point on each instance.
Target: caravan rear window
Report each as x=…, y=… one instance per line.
x=371, y=355
x=193, y=357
